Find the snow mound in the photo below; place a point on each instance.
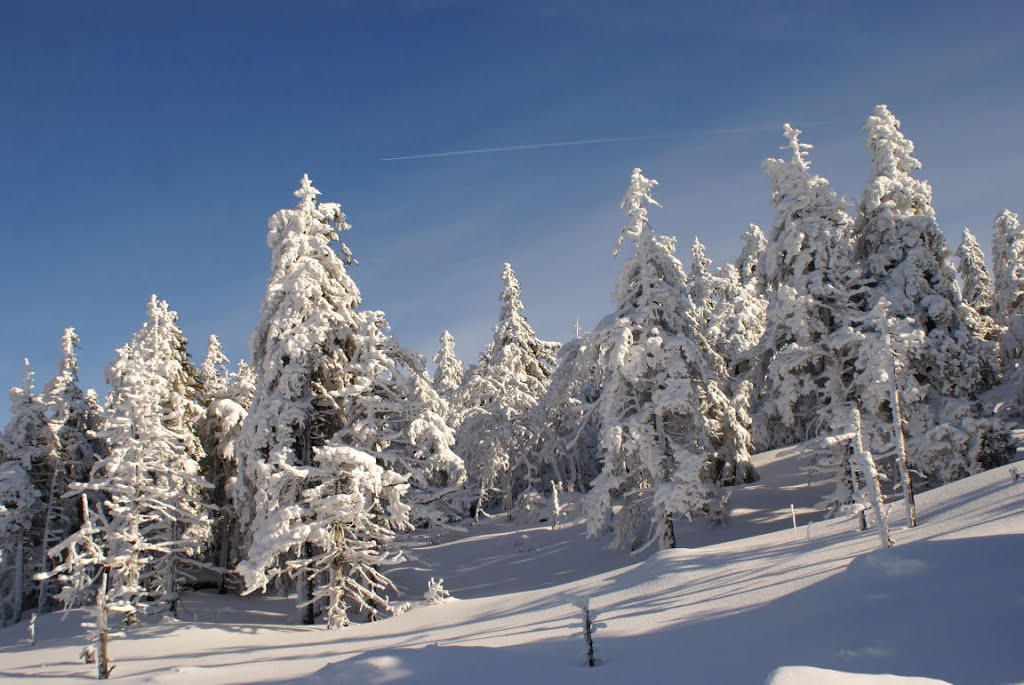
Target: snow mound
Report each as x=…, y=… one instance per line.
x=892, y=564
x=806, y=675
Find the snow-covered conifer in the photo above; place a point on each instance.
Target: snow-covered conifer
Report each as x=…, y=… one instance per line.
x=665, y=425
x=19, y=502
x=751, y=254
x=563, y=424
x=1008, y=286
x=74, y=416
x=974, y=277
x=730, y=315
x=228, y=395
x=449, y=371
x=906, y=259
x=400, y=418
x=32, y=444
x=80, y=558
x=337, y=531
x=494, y=402
x=810, y=275
x=156, y=522
x=213, y=374
x=314, y=356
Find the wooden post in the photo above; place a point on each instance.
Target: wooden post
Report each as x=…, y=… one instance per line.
x=588, y=633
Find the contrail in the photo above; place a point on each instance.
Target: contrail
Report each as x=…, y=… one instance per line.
x=599, y=141
x=534, y=146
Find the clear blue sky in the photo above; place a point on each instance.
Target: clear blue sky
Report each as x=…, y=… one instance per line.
x=143, y=145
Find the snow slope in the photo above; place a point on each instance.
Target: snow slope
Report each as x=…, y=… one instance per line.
x=946, y=603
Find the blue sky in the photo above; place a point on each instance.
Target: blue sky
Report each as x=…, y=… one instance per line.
x=144, y=145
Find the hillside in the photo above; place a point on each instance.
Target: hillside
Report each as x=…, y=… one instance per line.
x=732, y=607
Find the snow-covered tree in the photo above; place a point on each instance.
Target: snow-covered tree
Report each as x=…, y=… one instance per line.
x=37, y=520
x=213, y=374
x=513, y=373
x=907, y=262
x=449, y=372
x=944, y=360
x=228, y=395
x=975, y=280
x=731, y=315
x=563, y=424
x=157, y=525
x=74, y=415
x=19, y=501
x=668, y=435
x=400, y=418
x=80, y=558
x=346, y=518
x=748, y=265
x=810, y=279
x=308, y=352
x=1008, y=286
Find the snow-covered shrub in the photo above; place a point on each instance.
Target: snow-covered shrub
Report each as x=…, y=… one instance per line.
x=531, y=507
x=436, y=594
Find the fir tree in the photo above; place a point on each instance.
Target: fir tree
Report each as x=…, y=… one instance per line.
x=731, y=315
x=400, y=418
x=19, y=502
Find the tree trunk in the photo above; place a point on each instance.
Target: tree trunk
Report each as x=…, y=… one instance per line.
x=103, y=667
x=222, y=555
x=19, y=580
x=304, y=593
x=867, y=466
x=897, y=426
x=666, y=529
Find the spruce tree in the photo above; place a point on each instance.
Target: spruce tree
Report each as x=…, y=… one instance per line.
x=749, y=262
x=907, y=262
x=449, y=372
x=400, y=418
x=563, y=424
x=811, y=280
x=939, y=337
x=493, y=404
x=227, y=396
x=40, y=519
x=157, y=524
x=668, y=435
x=974, y=276
x=1008, y=287
x=309, y=353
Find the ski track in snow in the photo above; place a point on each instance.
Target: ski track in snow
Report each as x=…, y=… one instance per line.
x=748, y=603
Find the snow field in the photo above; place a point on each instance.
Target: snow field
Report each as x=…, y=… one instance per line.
x=943, y=604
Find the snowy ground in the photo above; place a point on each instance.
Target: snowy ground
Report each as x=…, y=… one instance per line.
x=750, y=603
